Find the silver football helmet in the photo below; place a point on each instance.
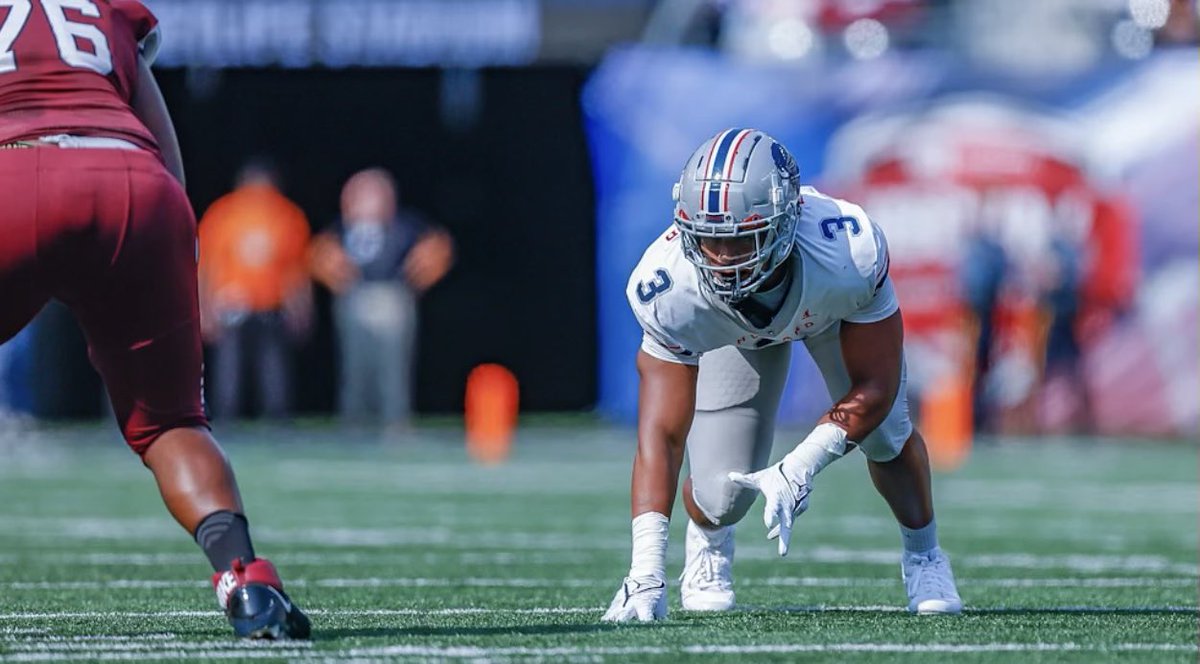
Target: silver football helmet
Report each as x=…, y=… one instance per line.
x=737, y=204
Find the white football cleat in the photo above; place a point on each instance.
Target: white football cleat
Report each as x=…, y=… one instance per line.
x=707, y=579
x=930, y=583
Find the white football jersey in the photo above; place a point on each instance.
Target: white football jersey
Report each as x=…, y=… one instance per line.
x=838, y=271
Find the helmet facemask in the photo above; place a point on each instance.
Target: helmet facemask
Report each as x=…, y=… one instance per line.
x=736, y=257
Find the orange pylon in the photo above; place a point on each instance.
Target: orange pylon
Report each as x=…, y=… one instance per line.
x=492, y=401
x=947, y=422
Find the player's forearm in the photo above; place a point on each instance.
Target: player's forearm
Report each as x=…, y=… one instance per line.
x=151, y=109
x=656, y=474
x=666, y=404
x=848, y=422
x=169, y=147
x=655, y=479
x=862, y=410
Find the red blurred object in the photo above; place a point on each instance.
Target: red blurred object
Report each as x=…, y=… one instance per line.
x=837, y=14
x=946, y=183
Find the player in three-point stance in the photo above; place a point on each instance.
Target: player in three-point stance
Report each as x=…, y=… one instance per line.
x=753, y=262
x=94, y=213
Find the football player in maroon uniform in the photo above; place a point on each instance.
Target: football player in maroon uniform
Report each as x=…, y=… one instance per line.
x=94, y=213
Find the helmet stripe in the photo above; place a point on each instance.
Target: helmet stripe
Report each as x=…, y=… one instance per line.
x=704, y=168
x=714, y=197
x=729, y=168
x=717, y=165
x=737, y=143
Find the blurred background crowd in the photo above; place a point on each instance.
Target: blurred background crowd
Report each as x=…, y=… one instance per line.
x=392, y=192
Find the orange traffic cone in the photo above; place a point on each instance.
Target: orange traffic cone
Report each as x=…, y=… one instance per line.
x=946, y=422
x=491, y=412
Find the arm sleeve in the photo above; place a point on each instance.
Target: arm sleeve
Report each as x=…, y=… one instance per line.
x=144, y=24
x=657, y=341
x=883, y=258
x=880, y=306
x=661, y=350
x=883, y=303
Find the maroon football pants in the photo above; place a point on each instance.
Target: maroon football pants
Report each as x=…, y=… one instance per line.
x=110, y=233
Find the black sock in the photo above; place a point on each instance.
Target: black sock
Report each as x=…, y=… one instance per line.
x=225, y=536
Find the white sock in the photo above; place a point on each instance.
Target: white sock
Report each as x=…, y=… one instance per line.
x=920, y=540
x=649, y=546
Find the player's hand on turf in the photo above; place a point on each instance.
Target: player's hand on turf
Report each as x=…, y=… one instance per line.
x=787, y=498
x=643, y=600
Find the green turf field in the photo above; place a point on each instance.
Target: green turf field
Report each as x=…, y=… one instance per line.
x=1065, y=552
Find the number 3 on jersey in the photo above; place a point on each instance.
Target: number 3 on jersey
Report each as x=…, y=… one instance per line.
x=66, y=34
x=648, y=290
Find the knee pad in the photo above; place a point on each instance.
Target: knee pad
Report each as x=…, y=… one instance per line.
x=887, y=440
x=722, y=501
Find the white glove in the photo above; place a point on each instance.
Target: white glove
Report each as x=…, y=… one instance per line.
x=643, y=599
x=787, y=498
x=787, y=484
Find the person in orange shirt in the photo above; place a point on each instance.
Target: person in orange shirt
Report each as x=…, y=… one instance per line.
x=255, y=294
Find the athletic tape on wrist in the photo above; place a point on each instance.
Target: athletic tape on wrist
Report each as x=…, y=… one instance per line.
x=826, y=444
x=649, y=557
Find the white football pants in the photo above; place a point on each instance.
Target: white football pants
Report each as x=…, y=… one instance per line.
x=737, y=397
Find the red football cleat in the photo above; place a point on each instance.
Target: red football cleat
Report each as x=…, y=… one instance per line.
x=254, y=602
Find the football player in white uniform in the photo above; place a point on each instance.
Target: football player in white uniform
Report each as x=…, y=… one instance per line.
x=753, y=262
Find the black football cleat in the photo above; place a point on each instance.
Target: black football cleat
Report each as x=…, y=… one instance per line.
x=255, y=604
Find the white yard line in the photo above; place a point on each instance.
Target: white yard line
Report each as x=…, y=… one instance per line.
x=1068, y=582
x=553, y=554
x=464, y=611
x=524, y=582
x=99, y=649
x=49, y=638
x=215, y=613
x=446, y=533
x=470, y=652
x=102, y=615
x=370, y=557
x=1085, y=563
x=111, y=584
x=156, y=655
x=88, y=645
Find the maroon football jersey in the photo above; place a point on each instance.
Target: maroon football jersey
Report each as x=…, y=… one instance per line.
x=69, y=67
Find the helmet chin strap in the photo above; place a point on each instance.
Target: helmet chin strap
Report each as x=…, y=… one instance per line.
x=773, y=280
x=755, y=313
x=759, y=313
x=776, y=277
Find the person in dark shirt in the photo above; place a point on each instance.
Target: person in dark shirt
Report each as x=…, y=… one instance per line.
x=377, y=260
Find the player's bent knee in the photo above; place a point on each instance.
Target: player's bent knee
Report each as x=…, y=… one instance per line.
x=886, y=442
x=888, y=439
x=722, y=501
